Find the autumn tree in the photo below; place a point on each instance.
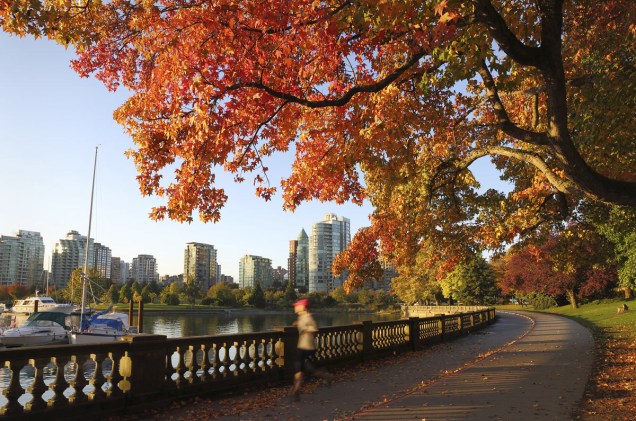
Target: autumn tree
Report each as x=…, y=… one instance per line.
x=573, y=263
x=170, y=294
x=221, y=294
x=408, y=94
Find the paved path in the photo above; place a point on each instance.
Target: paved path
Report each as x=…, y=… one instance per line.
x=526, y=366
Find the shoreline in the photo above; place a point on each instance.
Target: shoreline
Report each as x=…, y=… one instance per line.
x=241, y=311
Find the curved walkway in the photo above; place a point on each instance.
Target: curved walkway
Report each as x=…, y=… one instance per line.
x=526, y=366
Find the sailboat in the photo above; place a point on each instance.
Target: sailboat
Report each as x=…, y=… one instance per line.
x=102, y=326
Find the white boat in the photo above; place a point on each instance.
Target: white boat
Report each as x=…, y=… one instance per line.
x=103, y=327
x=41, y=328
x=28, y=305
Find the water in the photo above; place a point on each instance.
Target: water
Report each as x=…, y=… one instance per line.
x=180, y=325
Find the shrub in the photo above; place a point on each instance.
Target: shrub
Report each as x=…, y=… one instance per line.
x=541, y=301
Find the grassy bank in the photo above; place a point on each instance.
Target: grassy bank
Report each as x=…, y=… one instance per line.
x=603, y=317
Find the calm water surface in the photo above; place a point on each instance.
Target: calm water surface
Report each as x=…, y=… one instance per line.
x=180, y=325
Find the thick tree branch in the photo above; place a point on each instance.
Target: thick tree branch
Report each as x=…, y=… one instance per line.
x=561, y=184
x=485, y=13
x=503, y=120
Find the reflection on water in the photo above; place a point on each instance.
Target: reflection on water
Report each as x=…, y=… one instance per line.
x=180, y=325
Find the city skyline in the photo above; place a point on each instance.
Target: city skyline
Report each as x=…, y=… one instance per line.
x=52, y=120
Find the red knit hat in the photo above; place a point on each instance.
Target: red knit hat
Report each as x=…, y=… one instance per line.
x=303, y=302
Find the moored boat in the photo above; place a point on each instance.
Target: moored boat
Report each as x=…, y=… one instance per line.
x=40, y=303
x=103, y=327
x=41, y=328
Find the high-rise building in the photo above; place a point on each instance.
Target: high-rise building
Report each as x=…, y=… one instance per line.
x=291, y=261
x=253, y=269
x=22, y=259
x=119, y=270
x=144, y=269
x=279, y=276
x=328, y=238
x=302, y=261
x=200, y=265
x=69, y=254
x=388, y=273
x=102, y=257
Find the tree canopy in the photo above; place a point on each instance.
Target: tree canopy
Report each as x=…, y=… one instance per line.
x=391, y=101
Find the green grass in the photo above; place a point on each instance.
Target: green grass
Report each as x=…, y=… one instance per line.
x=603, y=316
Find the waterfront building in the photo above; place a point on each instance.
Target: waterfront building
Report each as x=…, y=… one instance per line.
x=291, y=261
x=302, y=261
x=200, y=265
x=102, y=257
x=144, y=269
x=118, y=270
x=253, y=269
x=388, y=273
x=68, y=255
x=328, y=238
x=226, y=278
x=279, y=276
x=168, y=279
x=22, y=259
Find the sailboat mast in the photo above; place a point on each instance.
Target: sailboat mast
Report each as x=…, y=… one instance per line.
x=88, y=237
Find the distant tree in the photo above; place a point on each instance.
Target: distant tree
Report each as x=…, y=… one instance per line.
x=154, y=287
x=125, y=293
x=191, y=290
x=170, y=294
x=366, y=297
x=145, y=294
x=239, y=296
x=222, y=294
x=417, y=283
x=113, y=294
x=274, y=297
x=290, y=293
x=471, y=282
x=17, y=292
x=339, y=294
x=257, y=296
x=136, y=288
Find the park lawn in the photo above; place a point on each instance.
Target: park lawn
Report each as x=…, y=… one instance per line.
x=603, y=315
x=611, y=390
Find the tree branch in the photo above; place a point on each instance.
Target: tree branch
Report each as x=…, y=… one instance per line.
x=485, y=13
x=503, y=120
x=335, y=102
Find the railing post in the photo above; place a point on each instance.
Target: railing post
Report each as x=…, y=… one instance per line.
x=290, y=342
x=148, y=354
x=414, y=333
x=367, y=340
x=460, y=324
x=442, y=327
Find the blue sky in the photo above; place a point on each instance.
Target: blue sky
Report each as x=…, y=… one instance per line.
x=50, y=122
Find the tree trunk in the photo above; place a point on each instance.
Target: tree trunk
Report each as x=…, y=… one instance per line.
x=572, y=297
x=629, y=293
